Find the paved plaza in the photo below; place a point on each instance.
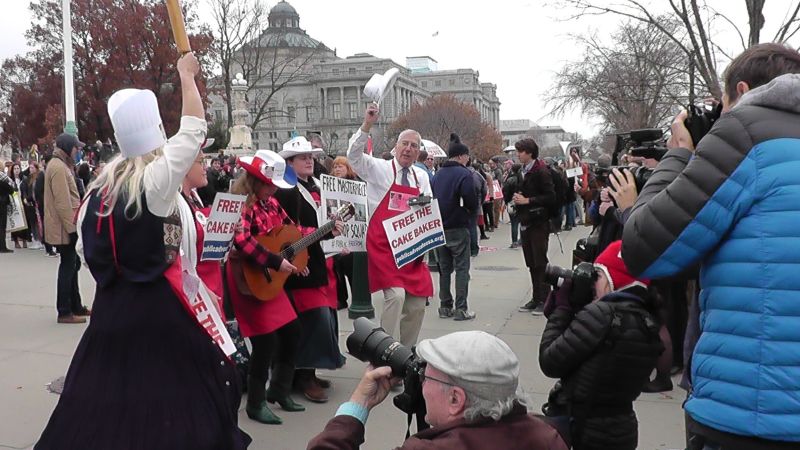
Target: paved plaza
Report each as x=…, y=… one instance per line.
x=34, y=351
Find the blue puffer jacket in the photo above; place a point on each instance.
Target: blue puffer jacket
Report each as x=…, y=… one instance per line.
x=735, y=208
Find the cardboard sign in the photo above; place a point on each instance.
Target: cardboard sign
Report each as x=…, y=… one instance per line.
x=498, y=191
x=335, y=193
x=575, y=172
x=226, y=213
x=415, y=232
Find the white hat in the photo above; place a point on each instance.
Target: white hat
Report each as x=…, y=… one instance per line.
x=269, y=167
x=477, y=361
x=379, y=85
x=298, y=145
x=137, y=122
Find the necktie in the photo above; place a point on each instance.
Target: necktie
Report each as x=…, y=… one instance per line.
x=404, y=179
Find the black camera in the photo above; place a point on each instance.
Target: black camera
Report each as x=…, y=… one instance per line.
x=701, y=119
x=640, y=175
x=369, y=342
x=582, y=277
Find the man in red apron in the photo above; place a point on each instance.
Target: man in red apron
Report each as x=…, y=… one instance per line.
x=390, y=184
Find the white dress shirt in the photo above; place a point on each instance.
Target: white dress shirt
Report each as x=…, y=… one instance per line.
x=378, y=172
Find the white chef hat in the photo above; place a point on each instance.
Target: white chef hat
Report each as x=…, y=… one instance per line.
x=477, y=361
x=137, y=122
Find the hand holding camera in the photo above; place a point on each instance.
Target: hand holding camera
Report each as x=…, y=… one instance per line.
x=623, y=188
x=373, y=387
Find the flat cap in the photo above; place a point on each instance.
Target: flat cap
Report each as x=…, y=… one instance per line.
x=476, y=361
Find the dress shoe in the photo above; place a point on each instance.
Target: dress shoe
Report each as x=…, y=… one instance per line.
x=70, y=318
x=83, y=312
x=313, y=391
x=323, y=383
x=659, y=384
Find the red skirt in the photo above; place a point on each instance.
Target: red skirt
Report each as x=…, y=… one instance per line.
x=318, y=297
x=257, y=317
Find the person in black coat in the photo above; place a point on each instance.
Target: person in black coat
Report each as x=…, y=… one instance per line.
x=313, y=297
x=603, y=353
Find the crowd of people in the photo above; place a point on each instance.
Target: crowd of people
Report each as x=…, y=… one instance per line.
x=162, y=351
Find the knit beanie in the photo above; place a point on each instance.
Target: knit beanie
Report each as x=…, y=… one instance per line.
x=456, y=147
x=613, y=267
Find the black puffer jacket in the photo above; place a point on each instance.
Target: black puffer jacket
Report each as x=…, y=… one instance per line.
x=604, y=355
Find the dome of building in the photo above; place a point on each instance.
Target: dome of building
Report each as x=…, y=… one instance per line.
x=283, y=15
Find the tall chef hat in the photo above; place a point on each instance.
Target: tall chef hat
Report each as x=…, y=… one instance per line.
x=137, y=122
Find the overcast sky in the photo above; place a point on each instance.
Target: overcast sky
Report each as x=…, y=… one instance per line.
x=516, y=44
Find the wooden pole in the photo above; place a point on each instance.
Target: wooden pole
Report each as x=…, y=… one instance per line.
x=178, y=26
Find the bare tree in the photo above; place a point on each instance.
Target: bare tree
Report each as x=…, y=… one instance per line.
x=633, y=82
x=698, y=21
x=236, y=22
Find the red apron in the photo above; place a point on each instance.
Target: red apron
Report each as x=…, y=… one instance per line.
x=382, y=270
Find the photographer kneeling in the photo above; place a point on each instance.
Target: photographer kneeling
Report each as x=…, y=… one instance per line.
x=603, y=352
x=469, y=383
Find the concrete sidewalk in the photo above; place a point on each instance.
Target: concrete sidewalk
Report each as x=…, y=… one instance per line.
x=34, y=351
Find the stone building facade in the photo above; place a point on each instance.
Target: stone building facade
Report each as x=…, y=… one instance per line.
x=325, y=95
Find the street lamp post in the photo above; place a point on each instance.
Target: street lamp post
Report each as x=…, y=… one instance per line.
x=69, y=84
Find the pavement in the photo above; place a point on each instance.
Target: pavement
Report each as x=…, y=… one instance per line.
x=35, y=350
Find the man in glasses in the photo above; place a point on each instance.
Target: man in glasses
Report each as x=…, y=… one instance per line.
x=470, y=385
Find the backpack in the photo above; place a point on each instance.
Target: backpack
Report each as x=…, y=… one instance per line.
x=560, y=185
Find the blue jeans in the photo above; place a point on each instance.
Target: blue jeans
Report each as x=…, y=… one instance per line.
x=454, y=255
x=514, y=229
x=570, y=213
x=473, y=236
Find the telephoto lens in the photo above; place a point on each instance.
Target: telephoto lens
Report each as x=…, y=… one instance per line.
x=369, y=342
x=555, y=275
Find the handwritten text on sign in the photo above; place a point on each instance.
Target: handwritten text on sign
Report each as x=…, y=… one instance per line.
x=337, y=192
x=415, y=232
x=226, y=213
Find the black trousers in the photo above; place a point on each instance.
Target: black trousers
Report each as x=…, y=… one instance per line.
x=68, y=295
x=278, y=347
x=3, y=224
x=534, y=242
x=488, y=216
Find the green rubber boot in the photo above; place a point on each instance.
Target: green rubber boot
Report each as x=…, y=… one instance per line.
x=257, y=408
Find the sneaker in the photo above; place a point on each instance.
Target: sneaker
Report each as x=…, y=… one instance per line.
x=71, y=319
x=463, y=314
x=445, y=313
x=527, y=307
x=538, y=310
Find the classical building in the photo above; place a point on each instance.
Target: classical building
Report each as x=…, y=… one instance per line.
x=324, y=93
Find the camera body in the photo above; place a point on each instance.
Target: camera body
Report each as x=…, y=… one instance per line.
x=582, y=276
x=640, y=174
x=700, y=120
x=369, y=342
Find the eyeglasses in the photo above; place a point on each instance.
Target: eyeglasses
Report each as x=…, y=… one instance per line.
x=429, y=159
x=423, y=377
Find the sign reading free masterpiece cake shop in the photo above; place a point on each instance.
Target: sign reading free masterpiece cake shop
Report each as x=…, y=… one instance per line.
x=335, y=193
x=226, y=213
x=415, y=232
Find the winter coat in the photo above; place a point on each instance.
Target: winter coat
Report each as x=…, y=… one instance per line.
x=537, y=184
x=604, y=355
x=732, y=207
x=514, y=431
x=61, y=200
x=454, y=188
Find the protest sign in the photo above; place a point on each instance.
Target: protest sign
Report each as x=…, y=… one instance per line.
x=23, y=165
x=415, y=232
x=575, y=172
x=498, y=191
x=226, y=213
x=335, y=193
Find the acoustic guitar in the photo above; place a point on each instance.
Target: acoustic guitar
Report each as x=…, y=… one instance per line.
x=287, y=241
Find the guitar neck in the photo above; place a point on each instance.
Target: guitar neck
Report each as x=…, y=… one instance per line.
x=303, y=243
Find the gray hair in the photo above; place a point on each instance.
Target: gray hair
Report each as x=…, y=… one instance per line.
x=410, y=131
x=478, y=408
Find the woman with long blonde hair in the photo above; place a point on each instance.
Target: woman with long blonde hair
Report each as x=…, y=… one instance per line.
x=151, y=371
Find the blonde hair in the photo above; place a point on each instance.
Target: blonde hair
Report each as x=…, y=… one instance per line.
x=248, y=185
x=123, y=176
